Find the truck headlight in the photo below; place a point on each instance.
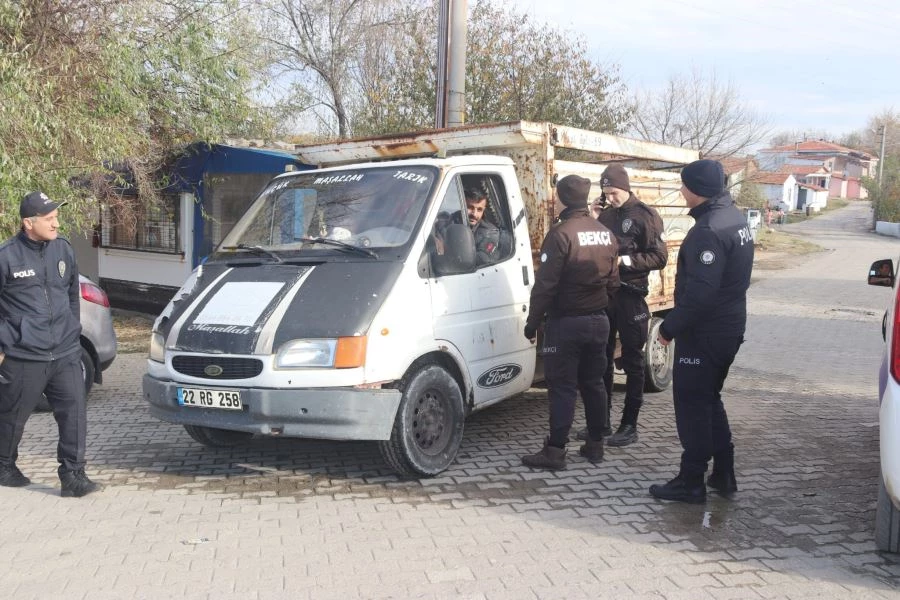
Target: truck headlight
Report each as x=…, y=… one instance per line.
x=340, y=353
x=157, y=347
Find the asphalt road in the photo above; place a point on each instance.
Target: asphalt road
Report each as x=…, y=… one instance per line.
x=311, y=519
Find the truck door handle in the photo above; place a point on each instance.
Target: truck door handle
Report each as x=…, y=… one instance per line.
x=525, y=275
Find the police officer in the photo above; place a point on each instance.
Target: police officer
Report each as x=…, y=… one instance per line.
x=708, y=321
x=572, y=287
x=638, y=229
x=39, y=340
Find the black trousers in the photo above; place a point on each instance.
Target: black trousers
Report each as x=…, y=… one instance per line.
x=701, y=366
x=629, y=317
x=62, y=382
x=574, y=355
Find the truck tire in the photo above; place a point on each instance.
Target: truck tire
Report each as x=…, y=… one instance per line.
x=428, y=428
x=658, y=360
x=216, y=438
x=887, y=522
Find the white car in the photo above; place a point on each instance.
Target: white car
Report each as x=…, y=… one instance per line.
x=887, y=516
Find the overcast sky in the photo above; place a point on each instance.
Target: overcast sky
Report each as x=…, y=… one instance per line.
x=808, y=64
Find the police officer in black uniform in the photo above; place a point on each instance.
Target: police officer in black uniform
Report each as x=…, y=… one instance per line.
x=708, y=321
x=638, y=229
x=572, y=287
x=39, y=341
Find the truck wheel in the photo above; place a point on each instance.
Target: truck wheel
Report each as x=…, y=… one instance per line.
x=658, y=360
x=887, y=522
x=216, y=438
x=428, y=429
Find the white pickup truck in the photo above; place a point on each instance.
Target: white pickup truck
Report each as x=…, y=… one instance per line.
x=330, y=311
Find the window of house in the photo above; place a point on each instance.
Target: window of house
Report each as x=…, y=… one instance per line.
x=152, y=228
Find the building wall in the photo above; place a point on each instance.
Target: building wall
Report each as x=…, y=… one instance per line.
x=835, y=187
x=780, y=195
x=152, y=267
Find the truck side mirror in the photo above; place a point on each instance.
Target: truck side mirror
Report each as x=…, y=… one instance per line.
x=882, y=273
x=459, y=251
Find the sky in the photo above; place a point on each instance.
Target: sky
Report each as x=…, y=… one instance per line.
x=806, y=64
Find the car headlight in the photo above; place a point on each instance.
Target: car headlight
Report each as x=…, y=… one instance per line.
x=340, y=353
x=157, y=347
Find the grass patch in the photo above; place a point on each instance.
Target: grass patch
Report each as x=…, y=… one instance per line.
x=132, y=331
x=777, y=250
x=772, y=240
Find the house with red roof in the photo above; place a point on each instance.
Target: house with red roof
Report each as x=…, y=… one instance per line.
x=824, y=164
x=779, y=189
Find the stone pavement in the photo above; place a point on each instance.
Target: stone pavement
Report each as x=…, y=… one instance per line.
x=312, y=519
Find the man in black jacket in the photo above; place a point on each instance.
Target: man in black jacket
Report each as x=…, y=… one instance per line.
x=708, y=322
x=638, y=229
x=571, y=288
x=39, y=341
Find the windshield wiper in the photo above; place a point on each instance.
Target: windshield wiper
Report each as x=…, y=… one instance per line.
x=260, y=249
x=339, y=244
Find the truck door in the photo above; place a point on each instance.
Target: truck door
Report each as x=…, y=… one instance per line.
x=483, y=313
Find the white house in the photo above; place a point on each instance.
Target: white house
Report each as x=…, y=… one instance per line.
x=779, y=189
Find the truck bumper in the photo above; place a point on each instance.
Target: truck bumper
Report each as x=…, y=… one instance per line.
x=332, y=414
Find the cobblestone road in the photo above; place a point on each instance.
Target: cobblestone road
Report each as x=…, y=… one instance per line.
x=309, y=519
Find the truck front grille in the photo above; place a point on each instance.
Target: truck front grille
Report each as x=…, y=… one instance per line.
x=215, y=367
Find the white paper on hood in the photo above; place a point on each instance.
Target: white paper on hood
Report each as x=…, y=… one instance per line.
x=238, y=303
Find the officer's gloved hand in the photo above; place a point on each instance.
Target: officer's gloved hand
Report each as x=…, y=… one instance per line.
x=530, y=332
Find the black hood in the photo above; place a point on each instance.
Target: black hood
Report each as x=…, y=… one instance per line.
x=255, y=309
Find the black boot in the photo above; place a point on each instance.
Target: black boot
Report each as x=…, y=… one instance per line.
x=11, y=476
x=722, y=477
x=683, y=488
x=625, y=435
x=550, y=458
x=723, y=482
x=592, y=450
x=582, y=434
x=76, y=484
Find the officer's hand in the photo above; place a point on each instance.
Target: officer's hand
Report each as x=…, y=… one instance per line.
x=662, y=341
x=530, y=333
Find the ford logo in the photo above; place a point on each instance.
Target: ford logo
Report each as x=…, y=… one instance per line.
x=213, y=370
x=498, y=376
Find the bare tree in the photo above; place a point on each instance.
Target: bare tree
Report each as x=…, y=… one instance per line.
x=318, y=46
x=784, y=138
x=700, y=112
x=516, y=68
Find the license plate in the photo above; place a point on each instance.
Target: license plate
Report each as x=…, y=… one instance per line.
x=206, y=398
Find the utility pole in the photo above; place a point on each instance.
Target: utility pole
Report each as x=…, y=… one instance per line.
x=450, y=88
x=881, y=156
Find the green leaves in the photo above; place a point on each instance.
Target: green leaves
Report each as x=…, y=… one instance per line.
x=85, y=84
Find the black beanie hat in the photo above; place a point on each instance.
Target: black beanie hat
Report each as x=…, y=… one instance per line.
x=615, y=176
x=573, y=191
x=706, y=178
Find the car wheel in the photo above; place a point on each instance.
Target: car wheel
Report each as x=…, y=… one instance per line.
x=428, y=428
x=87, y=373
x=887, y=522
x=216, y=438
x=658, y=360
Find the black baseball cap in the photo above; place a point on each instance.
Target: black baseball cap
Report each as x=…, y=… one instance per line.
x=37, y=204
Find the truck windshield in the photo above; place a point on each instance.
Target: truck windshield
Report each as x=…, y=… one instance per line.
x=370, y=208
